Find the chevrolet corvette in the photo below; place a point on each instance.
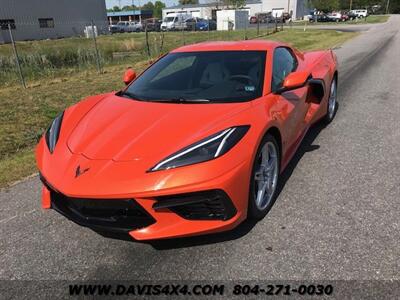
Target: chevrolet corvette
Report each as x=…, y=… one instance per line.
x=194, y=145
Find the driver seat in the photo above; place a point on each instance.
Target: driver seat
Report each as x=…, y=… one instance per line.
x=214, y=73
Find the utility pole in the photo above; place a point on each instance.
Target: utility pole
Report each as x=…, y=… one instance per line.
x=96, y=48
x=21, y=76
x=133, y=8
x=288, y=6
x=351, y=4
x=140, y=12
x=387, y=6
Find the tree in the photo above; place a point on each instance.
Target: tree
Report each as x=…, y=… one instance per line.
x=326, y=5
x=237, y=3
x=373, y=6
x=129, y=7
x=394, y=7
x=116, y=8
x=158, y=7
x=380, y=5
x=184, y=2
x=148, y=6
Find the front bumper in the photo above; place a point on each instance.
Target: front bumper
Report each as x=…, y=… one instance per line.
x=209, y=207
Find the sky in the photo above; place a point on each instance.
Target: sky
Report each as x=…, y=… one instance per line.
x=112, y=3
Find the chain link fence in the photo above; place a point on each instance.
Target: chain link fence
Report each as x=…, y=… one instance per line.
x=92, y=46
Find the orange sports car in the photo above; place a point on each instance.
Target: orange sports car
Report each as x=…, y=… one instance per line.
x=194, y=145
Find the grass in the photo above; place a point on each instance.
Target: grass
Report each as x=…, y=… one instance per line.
x=66, y=56
x=310, y=40
x=26, y=113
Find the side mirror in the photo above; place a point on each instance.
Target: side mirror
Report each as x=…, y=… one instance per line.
x=294, y=80
x=129, y=76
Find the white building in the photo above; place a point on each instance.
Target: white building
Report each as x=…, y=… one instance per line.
x=232, y=19
x=298, y=8
x=208, y=9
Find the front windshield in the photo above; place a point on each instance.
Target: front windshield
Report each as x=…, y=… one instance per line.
x=216, y=76
x=169, y=19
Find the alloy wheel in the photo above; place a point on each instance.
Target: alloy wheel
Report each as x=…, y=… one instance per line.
x=266, y=175
x=332, y=100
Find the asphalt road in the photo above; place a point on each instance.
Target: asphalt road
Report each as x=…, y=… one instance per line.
x=337, y=215
x=327, y=26
x=361, y=26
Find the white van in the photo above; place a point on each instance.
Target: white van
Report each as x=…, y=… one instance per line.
x=175, y=21
x=363, y=13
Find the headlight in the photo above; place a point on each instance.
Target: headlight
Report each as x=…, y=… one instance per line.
x=207, y=149
x=53, y=132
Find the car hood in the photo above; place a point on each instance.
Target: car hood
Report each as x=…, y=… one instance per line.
x=123, y=129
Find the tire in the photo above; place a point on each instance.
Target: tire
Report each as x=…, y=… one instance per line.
x=332, y=103
x=259, y=205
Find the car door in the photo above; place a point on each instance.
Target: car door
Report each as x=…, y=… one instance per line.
x=294, y=101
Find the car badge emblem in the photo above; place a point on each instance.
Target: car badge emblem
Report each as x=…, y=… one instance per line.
x=79, y=171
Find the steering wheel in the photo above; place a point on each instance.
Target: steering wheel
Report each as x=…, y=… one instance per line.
x=246, y=77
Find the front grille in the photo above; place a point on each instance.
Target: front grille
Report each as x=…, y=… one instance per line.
x=206, y=205
x=102, y=214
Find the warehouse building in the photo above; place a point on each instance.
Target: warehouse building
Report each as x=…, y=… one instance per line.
x=208, y=8
x=50, y=19
x=130, y=15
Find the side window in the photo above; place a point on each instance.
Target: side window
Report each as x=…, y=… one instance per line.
x=283, y=64
x=46, y=23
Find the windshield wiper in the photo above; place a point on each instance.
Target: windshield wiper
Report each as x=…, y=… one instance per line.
x=171, y=100
x=183, y=100
x=129, y=95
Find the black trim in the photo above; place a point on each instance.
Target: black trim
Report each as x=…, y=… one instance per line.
x=121, y=215
x=205, y=205
x=101, y=215
x=60, y=117
x=317, y=90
